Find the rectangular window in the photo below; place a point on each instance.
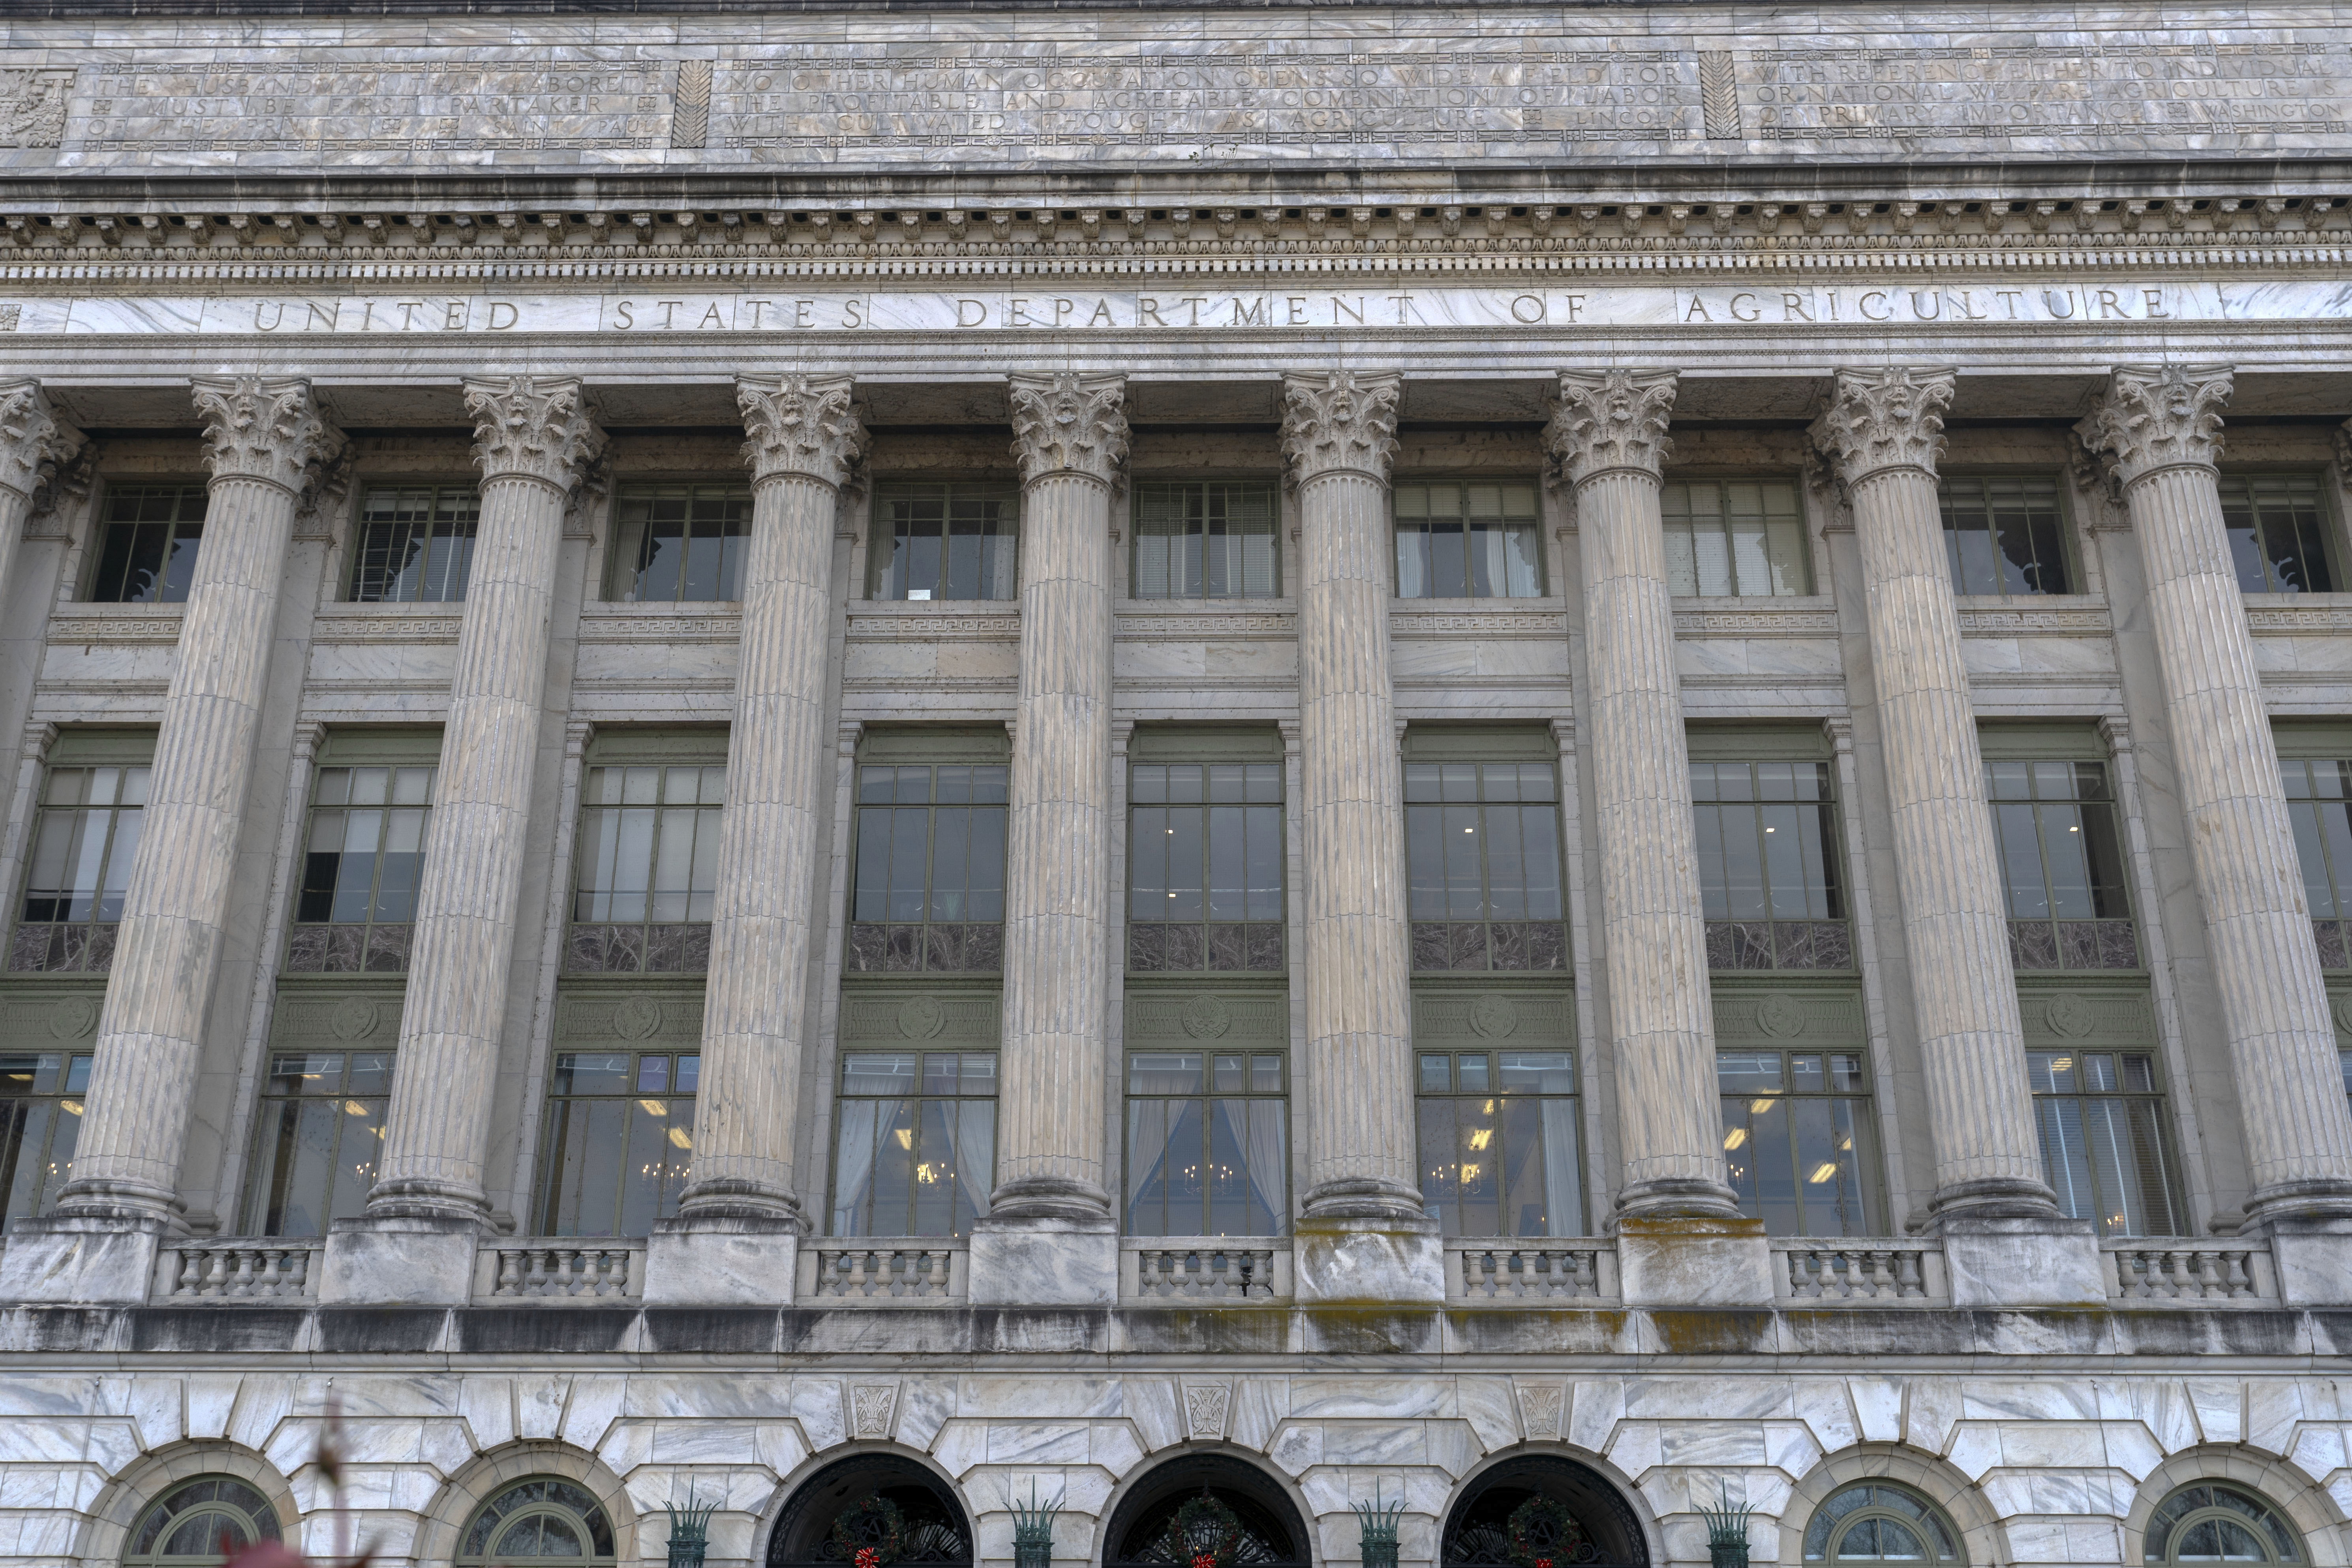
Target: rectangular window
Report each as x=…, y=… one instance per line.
x=1768, y=865
x=1205, y=851
x=2062, y=866
x=945, y=540
x=1734, y=538
x=1207, y=1143
x=147, y=546
x=360, y=862
x=2278, y=533
x=648, y=862
x=322, y=1128
x=2005, y=537
x=415, y=544
x=928, y=888
x=916, y=1150
x=1483, y=855
x=1796, y=1140
x=1468, y=542
x=1207, y=540
x=2104, y=1147
x=680, y=543
x=620, y=1135
x=40, y=1116
x=84, y=836
x=1498, y=1135
x=2320, y=803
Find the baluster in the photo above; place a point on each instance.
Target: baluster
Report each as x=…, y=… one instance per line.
x=1882, y=1276
x=1906, y=1275
x=1797, y=1275
x=508, y=1282
x=2239, y=1280
x=298, y=1262
x=1588, y=1276
x=2128, y=1279
x=859, y=1280
x=2208, y=1274
x=187, y=1276
x=264, y=1273
x=216, y=1272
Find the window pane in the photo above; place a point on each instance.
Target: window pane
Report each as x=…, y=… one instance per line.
x=2004, y=536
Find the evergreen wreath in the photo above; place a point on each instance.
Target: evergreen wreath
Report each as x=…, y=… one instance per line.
x=1540, y=1533
x=1204, y=1534
x=871, y=1534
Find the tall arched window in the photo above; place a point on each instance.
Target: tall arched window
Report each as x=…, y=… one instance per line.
x=539, y=1520
x=2213, y=1522
x=201, y=1521
x=1203, y=1504
x=1875, y=1522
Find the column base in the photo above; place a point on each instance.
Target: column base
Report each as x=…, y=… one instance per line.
x=2313, y=1259
x=1386, y=1261
x=721, y=1261
x=2022, y=1262
x=83, y=1259
x=1044, y=1263
x=404, y=1260
x=1690, y=1261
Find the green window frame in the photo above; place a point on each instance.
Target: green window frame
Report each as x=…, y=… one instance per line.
x=2213, y=1521
x=2005, y=536
x=646, y=860
x=927, y=880
x=1208, y=1143
x=2319, y=804
x=914, y=1143
x=2061, y=865
x=619, y=1140
x=85, y=835
x=1467, y=539
x=2107, y=1140
x=363, y=858
x=678, y=544
x=544, y=1519
x=945, y=539
x=1770, y=875
x=1734, y=538
x=1873, y=1521
x=414, y=543
x=1206, y=539
x=147, y=543
x=40, y=1121
x=1486, y=888
x=1500, y=1136
x=2279, y=534
x=1798, y=1140
x=191, y=1524
x=1207, y=845
x=320, y=1136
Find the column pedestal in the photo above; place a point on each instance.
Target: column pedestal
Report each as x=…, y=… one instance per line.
x=400, y=1260
x=82, y=1258
x=1371, y=1260
x=715, y=1260
x=1995, y=1262
x=1687, y=1260
x=2313, y=1259
x=1029, y=1262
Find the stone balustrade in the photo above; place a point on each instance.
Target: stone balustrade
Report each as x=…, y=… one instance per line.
x=928, y=1272
x=1564, y=1270
x=563, y=1269
x=1876, y=1269
x=283, y=1270
x=1204, y=1269
x=2156, y=1270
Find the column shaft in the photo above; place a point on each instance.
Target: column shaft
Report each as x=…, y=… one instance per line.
x=1883, y=433
x=262, y=439
x=535, y=436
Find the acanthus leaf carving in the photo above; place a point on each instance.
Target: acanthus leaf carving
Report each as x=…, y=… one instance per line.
x=1608, y=420
x=804, y=425
x=1891, y=419
x=2159, y=417
x=268, y=430
x=534, y=428
x=1340, y=422
x=41, y=450
x=1069, y=424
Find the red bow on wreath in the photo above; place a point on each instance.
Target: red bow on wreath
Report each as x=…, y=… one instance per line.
x=1204, y=1559
x=869, y=1558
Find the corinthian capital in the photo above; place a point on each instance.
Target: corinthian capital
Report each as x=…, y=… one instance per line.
x=264, y=429
x=1890, y=419
x=35, y=440
x=1615, y=419
x=2157, y=416
x=533, y=427
x=800, y=425
x=1341, y=421
x=1069, y=424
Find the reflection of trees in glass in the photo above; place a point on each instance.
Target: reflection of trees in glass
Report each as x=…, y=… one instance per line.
x=1497, y=1135
x=2319, y=804
x=2278, y=533
x=192, y=1523
x=1796, y=1140
x=915, y=1142
x=1734, y=538
x=1207, y=1145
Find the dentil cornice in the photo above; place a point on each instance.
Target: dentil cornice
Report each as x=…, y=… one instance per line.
x=801, y=424
x=533, y=427
x=1340, y=422
x=1069, y=424
x=1891, y=419
x=1610, y=419
x=35, y=441
x=2159, y=417
x=265, y=429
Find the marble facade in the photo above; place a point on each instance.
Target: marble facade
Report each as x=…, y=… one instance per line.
x=817, y=251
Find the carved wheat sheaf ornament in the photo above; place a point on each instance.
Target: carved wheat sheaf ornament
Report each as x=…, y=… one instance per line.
x=1206, y=1018
x=2069, y=1016
x=354, y=1018
x=1493, y=1018
x=921, y=1017
x=1779, y=1016
x=637, y=1018
x=73, y=1017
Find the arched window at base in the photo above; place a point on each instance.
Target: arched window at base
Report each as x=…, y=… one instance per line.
x=544, y=1519
x=2211, y=1522
x=907, y=1515
x=1206, y=1502
x=1873, y=1521
x=201, y=1521
x=1588, y=1522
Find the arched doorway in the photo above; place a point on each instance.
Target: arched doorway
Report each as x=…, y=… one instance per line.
x=1153, y=1525
x=1590, y=1523
x=907, y=1515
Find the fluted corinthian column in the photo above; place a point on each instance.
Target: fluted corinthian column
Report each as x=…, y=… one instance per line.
x=264, y=440
x=534, y=436
x=1606, y=439
x=1883, y=432
x=34, y=441
x=803, y=439
x=2163, y=426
